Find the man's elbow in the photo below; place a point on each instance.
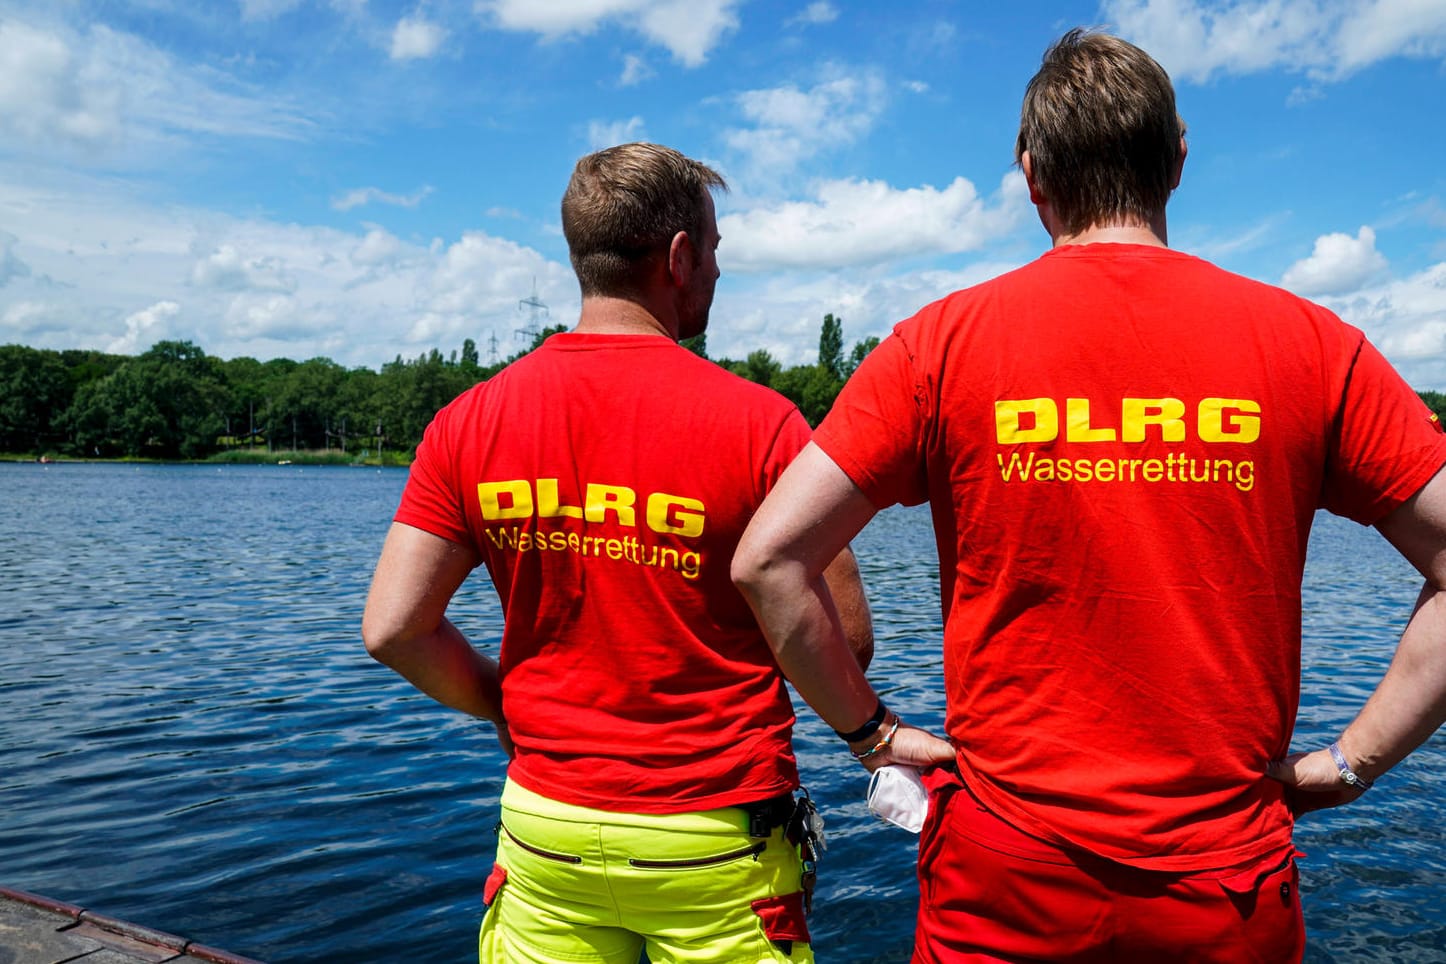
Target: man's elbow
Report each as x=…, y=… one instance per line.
x=383, y=639
x=755, y=570
x=747, y=571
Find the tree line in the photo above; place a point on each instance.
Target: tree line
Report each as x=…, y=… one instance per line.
x=176, y=402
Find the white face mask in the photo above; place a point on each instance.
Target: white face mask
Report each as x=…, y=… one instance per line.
x=896, y=794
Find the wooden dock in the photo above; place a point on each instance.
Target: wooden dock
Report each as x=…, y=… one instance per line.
x=38, y=930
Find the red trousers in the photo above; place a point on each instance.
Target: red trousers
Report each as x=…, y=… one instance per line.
x=989, y=892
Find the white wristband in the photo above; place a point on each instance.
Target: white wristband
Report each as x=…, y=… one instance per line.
x=1349, y=776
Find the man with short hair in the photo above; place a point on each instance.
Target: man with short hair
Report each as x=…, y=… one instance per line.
x=604, y=480
x=1123, y=447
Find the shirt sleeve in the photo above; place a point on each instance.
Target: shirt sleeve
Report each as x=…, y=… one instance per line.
x=792, y=436
x=1386, y=444
x=878, y=425
x=430, y=501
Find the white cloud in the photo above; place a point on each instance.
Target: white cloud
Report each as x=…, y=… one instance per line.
x=852, y=222
x=1339, y=263
x=34, y=323
x=814, y=13
x=371, y=195
x=252, y=316
x=1325, y=39
x=1381, y=29
x=789, y=125
x=377, y=248
x=107, y=93
x=1406, y=319
x=227, y=269
x=253, y=287
x=415, y=38
x=602, y=134
x=784, y=312
x=48, y=90
x=688, y=29
x=635, y=70
x=144, y=328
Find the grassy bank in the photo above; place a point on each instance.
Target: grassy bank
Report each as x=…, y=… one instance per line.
x=306, y=457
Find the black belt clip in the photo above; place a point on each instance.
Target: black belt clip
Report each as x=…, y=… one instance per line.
x=766, y=816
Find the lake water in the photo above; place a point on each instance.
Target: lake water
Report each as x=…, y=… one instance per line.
x=193, y=738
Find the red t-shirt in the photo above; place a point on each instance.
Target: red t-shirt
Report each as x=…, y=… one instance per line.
x=1124, y=447
x=605, y=480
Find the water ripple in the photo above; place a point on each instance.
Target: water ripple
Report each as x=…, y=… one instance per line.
x=191, y=736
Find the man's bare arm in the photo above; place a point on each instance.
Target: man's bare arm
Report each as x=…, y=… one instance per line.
x=405, y=624
x=846, y=586
x=803, y=525
x=1410, y=703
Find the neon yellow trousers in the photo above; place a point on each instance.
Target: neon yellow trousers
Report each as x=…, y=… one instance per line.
x=572, y=885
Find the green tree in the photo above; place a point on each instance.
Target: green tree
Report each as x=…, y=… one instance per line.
x=810, y=387
x=1436, y=402
x=409, y=393
x=305, y=402
x=34, y=390
x=760, y=367
x=541, y=337
x=165, y=403
x=830, y=346
x=698, y=344
x=358, y=410
x=860, y=352
x=247, y=389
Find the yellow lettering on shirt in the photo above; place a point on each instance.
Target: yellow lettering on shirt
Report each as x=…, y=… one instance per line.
x=1026, y=420
x=505, y=500
x=675, y=514
x=602, y=499
x=1164, y=420
x=1139, y=413
x=602, y=504
x=1077, y=422
x=548, y=506
x=1229, y=420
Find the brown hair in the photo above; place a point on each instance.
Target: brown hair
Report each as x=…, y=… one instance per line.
x=624, y=204
x=1100, y=126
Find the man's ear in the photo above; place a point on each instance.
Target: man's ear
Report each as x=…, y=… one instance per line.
x=1180, y=164
x=1026, y=164
x=681, y=259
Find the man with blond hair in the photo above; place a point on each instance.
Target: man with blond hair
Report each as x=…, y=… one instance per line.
x=604, y=480
x=1123, y=447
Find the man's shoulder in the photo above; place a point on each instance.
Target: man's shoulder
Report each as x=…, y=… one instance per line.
x=713, y=381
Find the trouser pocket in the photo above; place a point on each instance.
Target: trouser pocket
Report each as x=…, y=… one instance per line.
x=752, y=850
x=537, y=851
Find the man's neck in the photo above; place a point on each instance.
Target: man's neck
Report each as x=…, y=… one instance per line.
x=605, y=315
x=1153, y=234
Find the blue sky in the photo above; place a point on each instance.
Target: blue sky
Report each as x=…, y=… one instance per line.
x=359, y=179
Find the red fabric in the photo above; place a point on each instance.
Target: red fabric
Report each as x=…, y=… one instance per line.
x=495, y=880
x=989, y=892
x=1122, y=658
x=783, y=917
x=620, y=472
